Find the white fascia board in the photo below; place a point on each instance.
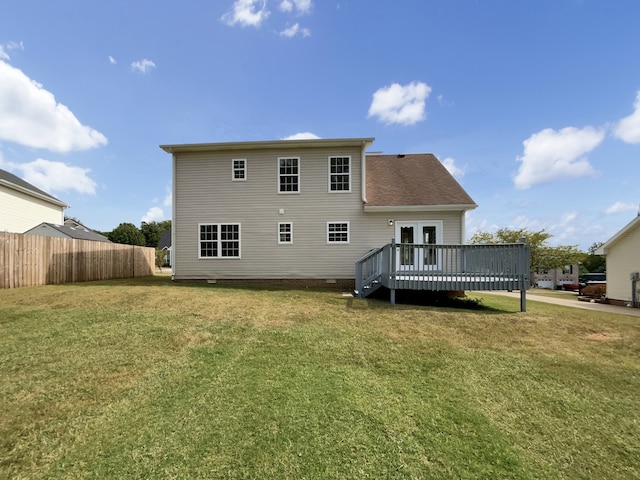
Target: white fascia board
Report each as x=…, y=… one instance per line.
x=269, y=144
x=419, y=208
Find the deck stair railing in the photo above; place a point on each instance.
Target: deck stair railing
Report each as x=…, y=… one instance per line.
x=444, y=267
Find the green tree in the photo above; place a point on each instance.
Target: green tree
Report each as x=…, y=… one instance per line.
x=543, y=255
x=127, y=233
x=593, y=263
x=151, y=232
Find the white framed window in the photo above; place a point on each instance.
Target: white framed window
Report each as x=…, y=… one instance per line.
x=219, y=240
x=239, y=169
x=337, y=232
x=285, y=233
x=340, y=174
x=288, y=175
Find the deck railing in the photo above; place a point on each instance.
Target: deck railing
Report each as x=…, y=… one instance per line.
x=399, y=266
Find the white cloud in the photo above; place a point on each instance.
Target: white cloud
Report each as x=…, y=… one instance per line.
x=4, y=49
x=155, y=214
x=300, y=6
x=403, y=104
x=168, y=198
x=143, y=66
x=112, y=60
x=628, y=129
x=552, y=155
x=450, y=164
x=247, y=13
x=53, y=176
x=302, y=136
x=294, y=30
x=30, y=116
x=620, y=207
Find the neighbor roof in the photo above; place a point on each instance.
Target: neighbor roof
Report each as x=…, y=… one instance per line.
x=16, y=183
x=165, y=240
x=416, y=181
x=73, y=232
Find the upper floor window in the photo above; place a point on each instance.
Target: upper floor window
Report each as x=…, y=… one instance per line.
x=337, y=232
x=239, y=169
x=219, y=240
x=339, y=174
x=288, y=175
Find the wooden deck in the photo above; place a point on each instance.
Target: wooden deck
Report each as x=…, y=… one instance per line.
x=444, y=267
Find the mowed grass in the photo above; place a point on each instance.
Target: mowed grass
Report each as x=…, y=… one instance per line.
x=149, y=379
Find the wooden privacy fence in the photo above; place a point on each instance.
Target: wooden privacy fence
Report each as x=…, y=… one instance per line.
x=29, y=260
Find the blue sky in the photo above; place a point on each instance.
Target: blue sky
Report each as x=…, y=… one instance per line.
x=534, y=106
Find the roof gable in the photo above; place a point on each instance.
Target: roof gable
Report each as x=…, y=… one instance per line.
x=412, y=180
x=16, y=183
x=165, y=240
x=632, y=225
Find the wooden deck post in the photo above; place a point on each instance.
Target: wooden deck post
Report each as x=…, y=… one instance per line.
x=392, y=254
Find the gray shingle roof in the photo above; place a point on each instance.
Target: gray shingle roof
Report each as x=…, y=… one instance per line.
x=412, y=180
x=73, y=232
x=165, y=240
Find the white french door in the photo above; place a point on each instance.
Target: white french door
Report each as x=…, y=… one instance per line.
x=415, y=238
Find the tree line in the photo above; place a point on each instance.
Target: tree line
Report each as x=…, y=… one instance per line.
x=148, y=235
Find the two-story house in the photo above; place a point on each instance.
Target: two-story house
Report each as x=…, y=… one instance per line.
x=304, y=209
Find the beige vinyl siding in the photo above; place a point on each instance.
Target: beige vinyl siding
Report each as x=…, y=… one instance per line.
x=21, y=212
x=623, y=259
x=204, y=193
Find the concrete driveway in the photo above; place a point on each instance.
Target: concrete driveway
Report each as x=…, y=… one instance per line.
x=600, y=307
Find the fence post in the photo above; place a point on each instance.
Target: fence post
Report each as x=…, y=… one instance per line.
x=522, y=266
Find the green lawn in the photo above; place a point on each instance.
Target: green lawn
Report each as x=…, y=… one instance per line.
x=148, y=379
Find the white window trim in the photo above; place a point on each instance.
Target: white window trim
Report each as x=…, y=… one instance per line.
x=329, y=173
x=219, y=241
x=290, y=242
x=233, y=170
x=298, y=175
x=348, y=232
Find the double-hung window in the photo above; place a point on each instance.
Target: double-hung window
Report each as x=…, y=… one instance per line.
x=337, y=232
x=219, y=240
x=288, y=175
x=339, y=174
x=239, y=169
x=285, y=233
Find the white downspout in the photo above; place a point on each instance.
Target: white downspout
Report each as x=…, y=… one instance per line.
x=363, y=173
x=173, y=216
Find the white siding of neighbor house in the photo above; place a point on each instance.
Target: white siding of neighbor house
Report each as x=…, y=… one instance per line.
x=623, y=258
x=205, y=193
x=21, y=212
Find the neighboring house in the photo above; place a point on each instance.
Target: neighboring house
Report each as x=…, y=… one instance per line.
x=622, y=253
x=164, y=244
x=66, y=231
x=303, y=209
x=25, y=206
x=557, y=277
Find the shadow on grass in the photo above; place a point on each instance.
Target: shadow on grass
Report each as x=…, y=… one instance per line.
x=426, y=298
